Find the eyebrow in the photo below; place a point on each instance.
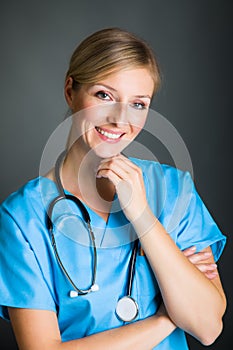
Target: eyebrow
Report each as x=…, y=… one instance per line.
x=111, y=88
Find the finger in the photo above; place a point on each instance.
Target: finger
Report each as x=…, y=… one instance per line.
x=122, y=168
x=189, y=251
x=211, y=275
x=128, y=161
x=117, y=156
x=116, y=162
x=122, y=159
x=121, y=172
x=109, y=174
x=199, y=257
x=207, y=267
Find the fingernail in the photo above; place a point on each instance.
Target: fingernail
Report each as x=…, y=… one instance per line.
x=207, y=254
x=214, y=265
x=214, y=274
x=193, y=248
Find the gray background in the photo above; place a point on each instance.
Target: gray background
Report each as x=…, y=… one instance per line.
x=193, y=41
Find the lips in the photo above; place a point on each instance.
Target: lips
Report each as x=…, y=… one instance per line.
x=109, y=134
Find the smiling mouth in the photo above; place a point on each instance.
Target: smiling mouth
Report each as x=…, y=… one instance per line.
x=109, y=135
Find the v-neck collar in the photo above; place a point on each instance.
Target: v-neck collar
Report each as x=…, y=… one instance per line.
x=117, y=231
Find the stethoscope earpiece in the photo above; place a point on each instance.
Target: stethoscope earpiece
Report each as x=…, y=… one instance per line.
x=74, y=293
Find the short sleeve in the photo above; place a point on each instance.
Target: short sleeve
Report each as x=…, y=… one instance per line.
x=198, y=227
x=22, y=283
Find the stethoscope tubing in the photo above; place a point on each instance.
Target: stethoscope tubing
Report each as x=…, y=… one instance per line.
x=63, y=196
x=93, y=287
x=132, y=264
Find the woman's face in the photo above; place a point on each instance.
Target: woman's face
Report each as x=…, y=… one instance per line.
x=109, y=114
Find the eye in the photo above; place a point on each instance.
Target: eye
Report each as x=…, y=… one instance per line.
x=103, y=95
x=139, y=105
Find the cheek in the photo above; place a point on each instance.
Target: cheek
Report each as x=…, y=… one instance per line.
x=83, y=100
x=81, y=106
x=137, y=119
x=137, y=129
x=81, y=123
x=138, y=124
x=86, y=115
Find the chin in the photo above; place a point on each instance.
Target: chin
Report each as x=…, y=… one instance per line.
x=107, y=153
x=109, y=150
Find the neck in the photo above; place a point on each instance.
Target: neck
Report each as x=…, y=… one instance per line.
x=79, y=177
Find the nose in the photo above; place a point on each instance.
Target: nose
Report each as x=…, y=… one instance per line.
x=118, y=114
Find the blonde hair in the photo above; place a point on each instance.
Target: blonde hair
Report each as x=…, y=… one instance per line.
x=108, y=51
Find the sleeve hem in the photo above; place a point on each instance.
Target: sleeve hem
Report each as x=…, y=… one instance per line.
x=4, y=308
x=216, y=245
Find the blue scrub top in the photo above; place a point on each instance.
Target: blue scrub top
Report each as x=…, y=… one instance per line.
x=31, y=276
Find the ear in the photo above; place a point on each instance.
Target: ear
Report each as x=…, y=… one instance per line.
x=69, y=92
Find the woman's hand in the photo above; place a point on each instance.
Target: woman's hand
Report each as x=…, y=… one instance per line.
x=128, y=181
x=201, y=261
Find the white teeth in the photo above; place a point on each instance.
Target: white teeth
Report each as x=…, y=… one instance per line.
x=108, y=134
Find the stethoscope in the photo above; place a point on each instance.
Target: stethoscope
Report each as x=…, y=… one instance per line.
x=127, y=307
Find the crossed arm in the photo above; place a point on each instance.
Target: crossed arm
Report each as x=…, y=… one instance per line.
x=38, y=329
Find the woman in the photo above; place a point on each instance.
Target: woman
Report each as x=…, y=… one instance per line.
x=111, y=80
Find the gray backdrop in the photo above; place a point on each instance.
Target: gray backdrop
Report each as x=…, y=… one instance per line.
x=193, y=41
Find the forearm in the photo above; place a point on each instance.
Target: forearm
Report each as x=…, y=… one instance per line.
x=192, y=301
x=141, y=335
x=39, y=329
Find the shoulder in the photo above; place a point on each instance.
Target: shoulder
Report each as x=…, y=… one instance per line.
x=29, y=198
x=23, y=214
x=163, y=173
x=169, y=191
x=22, y=196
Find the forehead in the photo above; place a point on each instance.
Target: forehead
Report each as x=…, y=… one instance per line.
x=138, y=81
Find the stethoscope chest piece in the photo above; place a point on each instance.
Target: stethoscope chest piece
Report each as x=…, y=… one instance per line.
x=127, y=308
